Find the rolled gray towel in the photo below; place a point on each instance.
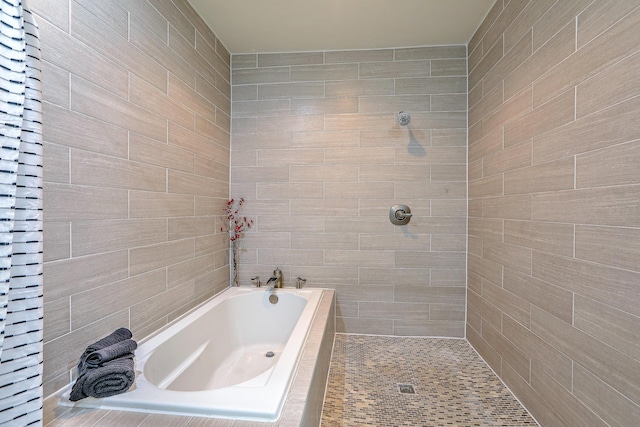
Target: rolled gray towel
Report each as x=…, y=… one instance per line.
x=113, y=377
x=116, y=336
x=107, y=354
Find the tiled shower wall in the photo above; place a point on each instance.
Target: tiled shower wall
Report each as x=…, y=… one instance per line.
x=320, y=157
x=554, y=206
x=136, y=129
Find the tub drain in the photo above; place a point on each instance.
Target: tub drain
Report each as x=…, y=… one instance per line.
x=270, y=354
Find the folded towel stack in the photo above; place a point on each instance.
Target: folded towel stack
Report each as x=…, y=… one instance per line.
x=106, y=367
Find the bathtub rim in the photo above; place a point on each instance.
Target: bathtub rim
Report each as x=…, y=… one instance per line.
x=321, y=295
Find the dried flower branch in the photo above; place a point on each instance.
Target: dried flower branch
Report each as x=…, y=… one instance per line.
x=237, y=224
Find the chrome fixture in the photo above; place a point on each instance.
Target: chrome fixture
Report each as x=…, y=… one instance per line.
x=257, y=281
x=277, y=279
x=300, y=282
x=403, y=118
x=400, y=214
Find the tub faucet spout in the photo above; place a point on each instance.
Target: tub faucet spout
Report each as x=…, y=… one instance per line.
x=277, y=279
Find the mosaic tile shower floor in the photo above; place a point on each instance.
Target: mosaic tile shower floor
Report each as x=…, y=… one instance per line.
x=453, y=385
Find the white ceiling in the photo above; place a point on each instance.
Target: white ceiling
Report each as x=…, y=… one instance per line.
x=246, y=26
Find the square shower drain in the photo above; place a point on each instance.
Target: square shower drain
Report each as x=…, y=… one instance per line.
x=406, y=388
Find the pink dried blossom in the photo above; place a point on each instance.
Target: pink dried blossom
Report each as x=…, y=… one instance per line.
x=237, y=224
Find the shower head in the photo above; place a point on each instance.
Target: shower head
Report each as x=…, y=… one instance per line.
x=403, y=118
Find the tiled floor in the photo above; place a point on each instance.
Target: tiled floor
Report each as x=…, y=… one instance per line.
x=453, y=386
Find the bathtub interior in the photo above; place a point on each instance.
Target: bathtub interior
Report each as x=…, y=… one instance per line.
x=196, y=360
x=261, y=398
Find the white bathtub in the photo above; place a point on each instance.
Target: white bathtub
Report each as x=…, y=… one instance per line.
x=213, y=361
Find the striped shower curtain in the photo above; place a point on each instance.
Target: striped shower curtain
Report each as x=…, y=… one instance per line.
x=20, y=218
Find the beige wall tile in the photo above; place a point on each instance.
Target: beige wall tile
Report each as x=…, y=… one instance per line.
x=188, y=227
x=552, y=176
x=112, y=142
x=283, y=59
x=324, y=72
x=99, y=170
x=103, y=105
x=524, y=22
x=488, y=144
x=618, y=247
x=242, y=76
x=487, y=187
x=324, y=106
x=553, y=52
x=449, y=102
x=183, y=183
x=71, y=129
x=600, y=359
x=599, y=130
x=539, y=351
x=57, y=240
x=385, y=104
x=613, y=166
x=552, y=299
x=493, y=52
x=393, y=310
x=555, y=113
x=394, y=69
x=55, y=84
x=114, y=297
x=554, y=19
x=615, y=206
x=614, y=84
x=70, y=276
x=580, y=66
x=157, y=46
x=606, y=402
x=280, y=91
x=614, y=327
x=602, y=283
x=347, y=56
x=57, y=319
x=150, y=151
x=508, y=352
x=144, y=204
x=92, y=237
x=430, y=85
x=364, y=326
x=68, y=54
x=92, y=31
x=449, y=67
x=324, y=173
x=337, y=207
x=359, y=88
x=153, y=257
x=453, y=295
x=512, y=58
x=573, y=412
x=511, y=110
x=429, y=52
x=507, y=207
x=598, y=17
x=555, y=157
x=73, y=202
x=513, y=256
x=148, y=97
x=514, y=157
x=548, y=237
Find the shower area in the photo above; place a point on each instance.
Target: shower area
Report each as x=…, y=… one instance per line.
x=516, y=153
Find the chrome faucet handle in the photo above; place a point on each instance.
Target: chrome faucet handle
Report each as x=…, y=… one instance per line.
x=257, y=281
x=299, y=282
